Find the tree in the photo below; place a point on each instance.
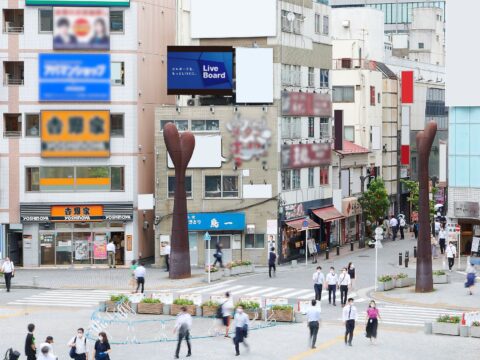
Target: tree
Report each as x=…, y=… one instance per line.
x=413, y=188
x=375, y=201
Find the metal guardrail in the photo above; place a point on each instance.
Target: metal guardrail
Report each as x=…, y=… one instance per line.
x=11, y=134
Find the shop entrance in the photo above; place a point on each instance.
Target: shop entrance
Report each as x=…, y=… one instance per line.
x=119, y=241
x=192, y=241
x=14, y=246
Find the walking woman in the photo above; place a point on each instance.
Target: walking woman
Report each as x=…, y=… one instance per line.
x=351, y=272
x=101, y=350
x=470, y=278
x=8, y=270
x=372, y=321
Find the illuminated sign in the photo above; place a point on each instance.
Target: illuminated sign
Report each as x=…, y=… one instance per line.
x=125, y=3
x=76, y=213
x=298, y=156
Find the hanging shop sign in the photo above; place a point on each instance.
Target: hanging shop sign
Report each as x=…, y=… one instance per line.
x=351, y=207
x=294, y=211
x=466, y=209
x=76, y=213
x=216, y=221
x=298, y=156
x=122, y=3
x=306, y=104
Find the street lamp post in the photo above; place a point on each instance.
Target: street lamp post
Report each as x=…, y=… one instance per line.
x=361, y=243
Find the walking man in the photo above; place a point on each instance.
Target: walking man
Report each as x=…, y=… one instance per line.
x=241, y=329
x=8, y=270
x=78, y=346
x=394, y=227
x=349, y=317
x=318, y=281
x=30, y=348
x=183, y=325
x=415, y=229
x=442, y=236
x=218, y=255
x=451, y=252
x=272, y=258
x=402, y=228
x=332, y=283
x=345, y=282
x=111, y=254
x=313, y=322
x=140, y=273
x=167, y=250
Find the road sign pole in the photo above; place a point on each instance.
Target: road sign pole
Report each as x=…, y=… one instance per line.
x=207, y=237
x=376, y=266
x=306, y=247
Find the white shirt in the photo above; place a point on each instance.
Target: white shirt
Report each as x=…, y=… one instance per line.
x=167, y=250
x=318, y=277
x=349, y=312
x=227, y=308
x=313, y=314
x=437, y=226
x=393, y=222
x=49, y=355
x=240, y=320
x=451, y=251
x=344, y=279
x=111, y=247
x=8, y=267
x=140, y=272
x=442, y=234
x=80, y=344
x=332, y=279
x=185, y=320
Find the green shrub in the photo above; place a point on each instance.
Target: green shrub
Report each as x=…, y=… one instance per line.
x=119, y=298
x=401, y=276
x=385, y=278
x=476, y=323
x=439, y=273
x=449, y=319
x=282, y=307
x=211, y=303
x=183, y=302
x=248, y=305
x=151, y=301
x=212, y=269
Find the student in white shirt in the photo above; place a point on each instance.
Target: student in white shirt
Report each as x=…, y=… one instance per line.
x=394, y=227
x=402, y=227
x=183, y=325
x=140, y=276
x=111, y=254
x=318, y=281
x=167, y=251
x=8, y=270
x=451, y=252
x=332, y=283
x=227, y=309
x=349, y=317
x=442, y=236
x=345, y=282
x=79, y=342
x=241, y=329
x=45, y=353
x=313, y=322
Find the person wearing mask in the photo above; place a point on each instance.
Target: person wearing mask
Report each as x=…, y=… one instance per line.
x=111, y=254
x=183, y=325
x=351, y=272
x=373, y=315
x=140, y=273
x=133, y=282
x=241, y=329
x=394, y=226
x=318, y=281
x=471, y=275
x=167, y=251
x=8, y=270
x=227, y=310
x=433, y=241
x=78, y=346
x=101, y=349
x=345, y=283
x=272, y=259
x=402, y=224
x=442, y=239
x=332, y=283
x=451, y=252
x=218, y=255
x=30, y=348
x=349, y=317
x=313, y=322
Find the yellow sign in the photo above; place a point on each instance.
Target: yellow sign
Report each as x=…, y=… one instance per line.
x=75, y=133
x=76, y=213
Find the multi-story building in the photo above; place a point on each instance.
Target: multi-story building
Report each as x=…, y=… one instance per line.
x=268, y=193
x=79, y=87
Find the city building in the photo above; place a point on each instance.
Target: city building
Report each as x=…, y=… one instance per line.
x=79, y=88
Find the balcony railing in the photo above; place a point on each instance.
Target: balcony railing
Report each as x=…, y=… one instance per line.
x=12, y=28
x=12, y=80
x=354, y=64
x=12, y=134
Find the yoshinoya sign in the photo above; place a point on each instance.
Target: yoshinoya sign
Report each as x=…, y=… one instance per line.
x=466, y=209
x=298, y=156
x=306, y=104
x=123, y=3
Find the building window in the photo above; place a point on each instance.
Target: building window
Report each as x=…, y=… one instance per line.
x=379, y=98
x=326, y=25
x=372, y=95
x=45, y=20
x=296, y=179
x=116, y=21
x=13, y=72
x=324, y=78
x=182, y=125
x=221, y=186
x=324, y=170
x=421, y=45
x=291, y=75
x=311, y=127
x=286, y=180
x=291, y=128
x=171, y=186
x=349, y=133
x=254, y=241
x=311, y=77
x=117, y=125
x=32, y=125
x=324, y=128
x=311, y=180
x=92, y=178
x=13, y=21
x=292, y=22
x=12, y=125
x=32, y=181
x=205, y=125
x=318, y=24
x=343, y=94
x=118, y=73
x=117, y=178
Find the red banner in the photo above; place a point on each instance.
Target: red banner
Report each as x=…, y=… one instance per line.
x=407, y=87
x=298, y=156
x=306, y=104
x=405, y=154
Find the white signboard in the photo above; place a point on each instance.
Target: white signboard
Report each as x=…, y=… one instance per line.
x=135, y=298
x=164, y=297
x=254, y=70
x=475, y=244
x=196, y=298
x=272, y=227
x=205, y=144
x=471, y=317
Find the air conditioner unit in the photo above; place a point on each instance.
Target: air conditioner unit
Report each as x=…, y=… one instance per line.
x=117, y=82
x=193, y=102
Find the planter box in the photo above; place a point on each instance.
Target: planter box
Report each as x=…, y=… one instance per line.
x=155, y=309
x=404, y=282
x=385, y=286
x=441, y=279
x=254, y=314
x=244, y=269
x=280, y=315
x=446, y=328
x=176, y=309
x=214, y=276
x=475, y=331
x=226, y=272
x=209, y=311
x=111, y=306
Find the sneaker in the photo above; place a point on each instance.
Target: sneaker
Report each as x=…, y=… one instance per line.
x=189, y=354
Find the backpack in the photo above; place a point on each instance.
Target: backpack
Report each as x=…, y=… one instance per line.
x=73, y=350
x=219, y=313
x=12, y=355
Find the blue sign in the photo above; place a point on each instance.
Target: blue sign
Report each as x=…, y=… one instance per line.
x=200, y=70
x=74, y=77
x=216, y=221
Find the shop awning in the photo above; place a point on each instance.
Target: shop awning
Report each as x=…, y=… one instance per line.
x=328, y=214
x=297, y=224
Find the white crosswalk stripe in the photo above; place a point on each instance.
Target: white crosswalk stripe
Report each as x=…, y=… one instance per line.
x=66, y=298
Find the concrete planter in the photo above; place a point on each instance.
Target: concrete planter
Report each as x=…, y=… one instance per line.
x=155, y=309
x=214, y=276
x=446, y=328
x=166, y=309
x=280, y=315
x=385, y=286
x=404, y=282
x=441, y=279
x=111, y=306
x=475, y=331
x=176, y=309
x=244, y=269
x=209, y=311
x=254, y=314
x=464, y=331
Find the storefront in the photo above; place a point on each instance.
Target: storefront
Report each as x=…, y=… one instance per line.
x=331, y=220
x=352, y=211
x=75, y=234
x=465, y=227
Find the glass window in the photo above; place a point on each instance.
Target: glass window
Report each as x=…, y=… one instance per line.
x=394, y=13
x=182, y=125
x=45, y=20
x=32, y=125
x=63, y=248
x=311, y=180
x=295, y=179
x=93, y=172
x=372, y=95
x=326, y=25
x=291, y=128
x=324, y=78
x=213, y=186
x=12, y=125
x=311, y=127
x=318, y=24
x=324, y=128
x=286, y=180
x=32, y=179
x=116, y=21
x=389, y=13
x=171, y=186
x=117, y=73
x=51, y=172
x=117, y=178
x=92, y=178
x=230, y=186
x=324, y=175
x=311, y=77
x=343, y=94
x=421, y=45
x=205, y=125
x=254, y=241
x=117, y=125
x=349, y=133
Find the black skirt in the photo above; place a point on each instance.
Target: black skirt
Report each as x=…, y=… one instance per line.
x=372, y=326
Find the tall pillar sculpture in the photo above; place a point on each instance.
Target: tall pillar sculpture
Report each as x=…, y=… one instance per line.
x=424, y=281
x=180, y=148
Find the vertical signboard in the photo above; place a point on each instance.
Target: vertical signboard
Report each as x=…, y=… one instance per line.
x=338, y=118
x=407, y=87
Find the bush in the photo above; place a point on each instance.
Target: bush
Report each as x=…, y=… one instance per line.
x=248, y=305
x=476, y=323
x=183, y=302
x=282, y=307
x=119, y=298
x=151, y=301
x=439, y=273
x=401, y=276
x=238, y=263
x=385, y=278
x=449, y=319
x=212, y=269
x=211, y=303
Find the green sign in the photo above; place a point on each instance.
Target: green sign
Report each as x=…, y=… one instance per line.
x=125, y=3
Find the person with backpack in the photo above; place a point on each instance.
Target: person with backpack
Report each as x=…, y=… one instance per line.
x=225, y=313
x=78, y=346
x=272, y=259
x=183, y=325
x=344, y=282
x=218, y=255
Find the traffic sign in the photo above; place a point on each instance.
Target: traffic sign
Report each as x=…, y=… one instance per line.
x=207, y=236
x=305, y=224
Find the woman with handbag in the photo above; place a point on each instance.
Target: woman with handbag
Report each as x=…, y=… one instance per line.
x=372, y=322
x=101, y=350
x=8, y=270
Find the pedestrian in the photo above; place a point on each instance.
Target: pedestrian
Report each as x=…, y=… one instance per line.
x=402, y=227
x=451, y=252
x=183, y=325
x=8, y=270
x=133, y=282
x=312, y=249
x=437, y=226
x=167, y=251
x=318, y=281
x=227, y=310
x=218, y=255
x=332, y=283
x=313, y=323
x=111, y=254
x=30, y=348
x=415, y=229
x=45, y=353
x=349, y=317
x=344, y=283
x=78, y=346
x=442, y=236
x=471, y=275
x=351, y=272
x=373, y=315
x=241, y=329
x=433, y=241
x=386, y=228
x=272, y=258
x=140, y=273
x=394, y=227
x=101, y=349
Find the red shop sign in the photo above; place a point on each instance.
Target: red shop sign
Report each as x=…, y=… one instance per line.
x=306, y=155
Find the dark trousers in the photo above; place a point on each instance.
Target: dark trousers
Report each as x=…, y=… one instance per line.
x=442, y=245
x=167, y=262
x=331, y=291
x=415, y=232
x=402, y=235
x=80, y=357
x=32, y=357
x=141, y=281
x=220, y=261
x=8, y=280
x=343, y=293
x=349, y=327
x=318, y=291
x=181, y=336
x=270, y=267
x=394, y=231
x=239, y=338
x=451, y=261
x=313, y=326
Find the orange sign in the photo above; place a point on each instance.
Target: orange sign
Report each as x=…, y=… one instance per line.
x=129, y=242
x=76, y=213
x=75, y=133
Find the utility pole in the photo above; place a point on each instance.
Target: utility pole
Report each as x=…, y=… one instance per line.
x=361, y=243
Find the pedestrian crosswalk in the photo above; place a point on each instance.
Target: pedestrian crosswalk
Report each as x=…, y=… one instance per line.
x=65, y=298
